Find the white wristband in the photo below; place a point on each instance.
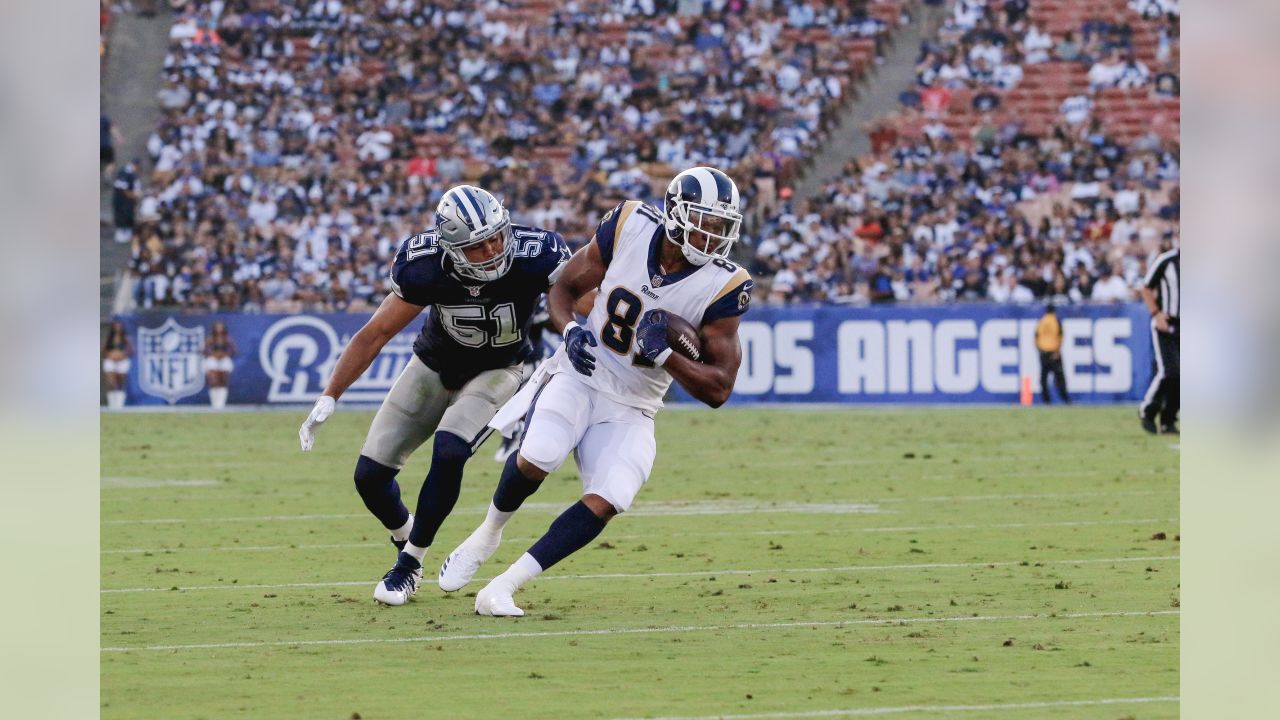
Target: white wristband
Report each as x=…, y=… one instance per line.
x=567, y=327
x=662, y=357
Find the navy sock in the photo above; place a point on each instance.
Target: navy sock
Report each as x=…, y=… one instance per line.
x=513, y=487
x=440, y=490
x=570, y=532
x=377, y=486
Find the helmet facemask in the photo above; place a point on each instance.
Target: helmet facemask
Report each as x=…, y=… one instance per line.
x=705, y=232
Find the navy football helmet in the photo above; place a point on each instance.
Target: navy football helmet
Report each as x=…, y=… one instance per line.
x=705, y=201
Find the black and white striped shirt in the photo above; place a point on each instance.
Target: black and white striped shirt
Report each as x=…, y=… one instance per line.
x=1162, y=277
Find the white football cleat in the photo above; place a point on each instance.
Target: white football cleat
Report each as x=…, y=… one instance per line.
x=496, y=602
x=462, y=564
x=400, y=583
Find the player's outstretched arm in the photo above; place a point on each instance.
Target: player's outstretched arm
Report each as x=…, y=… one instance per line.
x=583, y=273
x=392, y=316
x=710, y=381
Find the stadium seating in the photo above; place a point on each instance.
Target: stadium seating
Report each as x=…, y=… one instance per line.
x=959, y=203
x=293, y=119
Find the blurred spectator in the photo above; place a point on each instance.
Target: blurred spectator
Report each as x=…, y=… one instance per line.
x=1110, y=287
x=1076, y=109
x=1133, y=73
x=124, y=201
x=1167, y=84
x=1106, y=72
x=108, y=137
x=1068, y=48
x=117, y=354
x=1036, y=44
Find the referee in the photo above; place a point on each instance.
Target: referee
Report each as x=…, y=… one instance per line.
x=1160, y=293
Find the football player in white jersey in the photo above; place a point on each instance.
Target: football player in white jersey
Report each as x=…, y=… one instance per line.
x=604, y=385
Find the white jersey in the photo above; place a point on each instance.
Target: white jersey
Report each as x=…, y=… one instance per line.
x=629, y=238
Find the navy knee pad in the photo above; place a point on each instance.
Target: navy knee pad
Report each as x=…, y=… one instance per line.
x=450, y=449
x=372, y=475
x=377, y=486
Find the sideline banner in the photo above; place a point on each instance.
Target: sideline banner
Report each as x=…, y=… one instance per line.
x=936, y=354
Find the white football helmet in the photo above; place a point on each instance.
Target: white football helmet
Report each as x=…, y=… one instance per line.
x=468, y=216
x=703, y=200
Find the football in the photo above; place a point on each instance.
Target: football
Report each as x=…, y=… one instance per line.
x=683, y=338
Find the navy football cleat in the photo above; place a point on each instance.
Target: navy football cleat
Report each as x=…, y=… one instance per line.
x=400, y=583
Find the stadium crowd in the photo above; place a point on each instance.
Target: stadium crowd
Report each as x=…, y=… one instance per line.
x=301, y=141
x=1003, y=213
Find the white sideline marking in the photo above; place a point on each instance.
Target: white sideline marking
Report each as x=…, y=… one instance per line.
x=643, y=631
x=680, y=507
x=1031, y=496
x=819, y=463
x=866, y=712
x=733, y=507
x=693, y=573
x=130, y=483
x=650, y=536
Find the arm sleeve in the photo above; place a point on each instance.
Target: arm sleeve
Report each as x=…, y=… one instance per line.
x=733, y=300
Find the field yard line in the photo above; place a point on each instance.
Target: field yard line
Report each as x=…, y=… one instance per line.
x=695, y=573
x=871, y=711
x=651, y=536
x=1051, y=473
x=642, y=631
x=132, y=483
x=1028, y=496
x=139, y=482
x=641, y=511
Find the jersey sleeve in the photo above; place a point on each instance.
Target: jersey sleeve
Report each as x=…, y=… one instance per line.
x=555, y=255
x=1156, y=272
x=733, y=300
x=410, y=277
x=610, y=228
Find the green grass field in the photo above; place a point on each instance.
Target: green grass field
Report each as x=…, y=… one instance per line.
x=922, y=563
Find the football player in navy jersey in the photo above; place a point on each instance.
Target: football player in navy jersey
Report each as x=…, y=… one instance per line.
x=482, y=277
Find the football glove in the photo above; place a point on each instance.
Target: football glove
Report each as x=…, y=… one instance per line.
x=324, y=407
x=651, y=337
x=576, y=341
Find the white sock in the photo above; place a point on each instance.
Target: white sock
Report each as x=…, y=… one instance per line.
x=520, y=572
x=417, y=552
x=218, y=397
x=115, y=399
x=494, y=521
x=402, y=533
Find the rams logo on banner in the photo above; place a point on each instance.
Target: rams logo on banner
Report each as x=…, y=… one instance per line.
x=169, y=360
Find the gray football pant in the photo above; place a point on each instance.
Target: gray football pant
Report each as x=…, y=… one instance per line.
x=418, y=404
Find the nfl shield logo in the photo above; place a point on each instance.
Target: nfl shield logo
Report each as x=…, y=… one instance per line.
x=657, y=280
x=169, y=360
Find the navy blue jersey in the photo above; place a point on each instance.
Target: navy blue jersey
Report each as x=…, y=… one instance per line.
x=476, y=326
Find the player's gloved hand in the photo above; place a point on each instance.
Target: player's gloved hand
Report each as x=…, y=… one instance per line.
x=576, y=341
x=324, y=407
x=651, y=337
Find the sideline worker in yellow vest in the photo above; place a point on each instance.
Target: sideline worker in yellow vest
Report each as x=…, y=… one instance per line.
x=1049, y=343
